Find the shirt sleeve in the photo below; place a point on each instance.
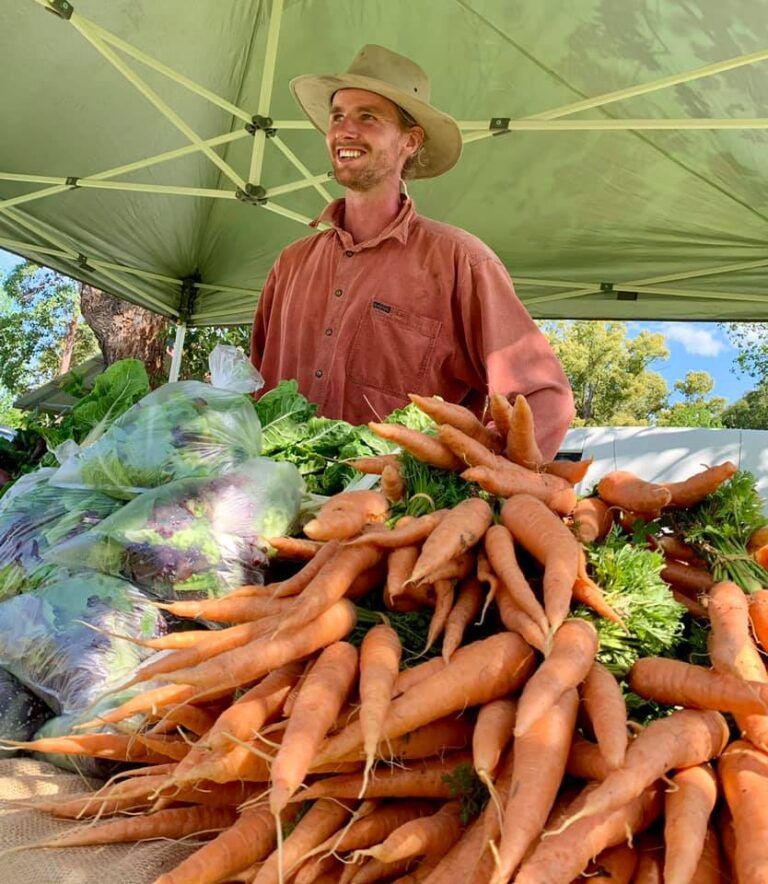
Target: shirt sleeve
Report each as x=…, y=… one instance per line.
x=261, y=319
x=507, y=351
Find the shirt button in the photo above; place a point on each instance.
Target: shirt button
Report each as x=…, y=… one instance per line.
x=338, y=293
x=349, y=254
x=319, y=373
x=328, y=332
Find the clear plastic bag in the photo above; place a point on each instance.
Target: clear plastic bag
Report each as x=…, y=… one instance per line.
x=35, y=516
x=46, y=644
x=181, y=430
x=194, y=536
x=21, y=712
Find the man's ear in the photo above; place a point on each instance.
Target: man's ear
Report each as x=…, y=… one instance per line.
x=415, y=139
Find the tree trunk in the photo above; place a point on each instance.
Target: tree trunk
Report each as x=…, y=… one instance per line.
x=65, y=363
x=125, y=331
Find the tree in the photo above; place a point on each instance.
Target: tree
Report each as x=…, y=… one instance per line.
x=40, y=327
x=697, y=408
x=609, y=372
x=751, y=340
x=750, y=412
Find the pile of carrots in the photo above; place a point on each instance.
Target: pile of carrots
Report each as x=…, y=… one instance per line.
x=301, y=757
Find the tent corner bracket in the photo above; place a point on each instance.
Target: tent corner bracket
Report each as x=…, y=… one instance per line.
x=499, y=125
x=82, y=263
x=62, y=8
x=188, y=296
x=254, y=194
x=263, y=124
x=72, y=180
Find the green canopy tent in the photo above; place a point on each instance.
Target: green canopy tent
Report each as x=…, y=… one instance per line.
x=615, y=150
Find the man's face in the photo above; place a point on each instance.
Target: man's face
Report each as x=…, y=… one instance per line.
x=366, y=141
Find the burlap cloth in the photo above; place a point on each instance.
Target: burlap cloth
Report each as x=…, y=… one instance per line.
x=25, y=778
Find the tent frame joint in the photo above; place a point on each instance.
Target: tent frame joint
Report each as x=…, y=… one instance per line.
x=61, y=8
x=500, y=125
x=260, y=123
x=82, y=263
x=72, y=180
x=253, y=194
x=188, y=297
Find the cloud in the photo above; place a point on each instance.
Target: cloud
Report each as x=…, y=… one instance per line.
x=695, y=340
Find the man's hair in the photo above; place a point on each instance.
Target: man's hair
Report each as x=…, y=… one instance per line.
x=418, y=159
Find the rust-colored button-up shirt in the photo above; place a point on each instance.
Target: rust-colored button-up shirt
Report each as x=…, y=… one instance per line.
x=422, y=308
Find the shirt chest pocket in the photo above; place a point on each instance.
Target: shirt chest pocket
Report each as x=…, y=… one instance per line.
x=392, y=348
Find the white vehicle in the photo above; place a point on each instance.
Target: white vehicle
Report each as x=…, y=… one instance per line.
x=667, y=454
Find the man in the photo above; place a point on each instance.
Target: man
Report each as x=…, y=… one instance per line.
x=387, y=302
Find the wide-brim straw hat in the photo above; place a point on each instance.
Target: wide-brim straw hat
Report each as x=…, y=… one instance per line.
x=402, y=81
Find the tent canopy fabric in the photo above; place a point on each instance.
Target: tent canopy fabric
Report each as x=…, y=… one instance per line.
x=615, y=157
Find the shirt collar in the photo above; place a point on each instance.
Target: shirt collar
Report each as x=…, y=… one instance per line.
x=398, y=229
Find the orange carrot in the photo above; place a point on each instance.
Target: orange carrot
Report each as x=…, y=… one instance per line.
x=346, y=514
x=149, y=702
x=516, y=620
x=380, y=655
x=320, y=822
x=650, y=859
x=329, y=586
x=683, y=739
x=758, y=616
x=294, y=548
x=468, y=450
x=413, y=675
x=573, y=651
x=563, y=855
x=687, y=809
x=408, y=532
x=248, y=840
x=500, y=549
x=592, y=519
x=573, y=471
x=116, y=747
x=522, y=447
x=457, y=416
x=628, y=491
x=545, y=536
x=466, y=609
x=710, y=869
x=616, y=865
x=539, y=764
x=225, y=609
x=744, y=777
x=176, y=823
x=676, y=683
x=586, y=591
x=420, y=779
x=425, y=448
x=418, y=837
x=446, y=734
x=604, y=704
x=505, y=661
x=393, y=485
x=455, y=569
x=674, y=547
x=586, y=761
x=693, y=607
x=375, y=464
x=443, y=604
x=462, y=528
x=501, y=413
x=316, y=707
x=493, y=732
x=512, y=479
x=375, y=870
x=694, y=489
x=246, y=664
x=301, y=579
x=687, y=576
x=245, y=718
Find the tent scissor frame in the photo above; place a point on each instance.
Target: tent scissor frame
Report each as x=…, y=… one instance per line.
x=95, y=269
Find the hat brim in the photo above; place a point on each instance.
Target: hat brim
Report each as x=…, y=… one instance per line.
x=442, y=136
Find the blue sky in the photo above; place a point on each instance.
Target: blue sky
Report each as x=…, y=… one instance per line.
x=693, y=346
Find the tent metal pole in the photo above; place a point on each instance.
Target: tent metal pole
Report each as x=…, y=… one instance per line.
x=563, y=296
x=313, y=179
x=14, y=246
x=288, y=213
x=654, y=86
x=168, y=189
x=212, y=287
x=5, y=205
x=178, y=349
x=712, y=271
x=161, y=68
x=155, y=100
x=144, y=296
x=265, y=94
x=292, y=124
x=686, y=293
x=547, y=283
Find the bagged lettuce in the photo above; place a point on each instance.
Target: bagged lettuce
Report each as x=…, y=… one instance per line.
x=21, y=712
x=47, y=641
x=35, y=516
x=181, y=430
x=198, y=537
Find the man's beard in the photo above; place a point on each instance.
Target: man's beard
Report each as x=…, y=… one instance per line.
x=366, y=179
